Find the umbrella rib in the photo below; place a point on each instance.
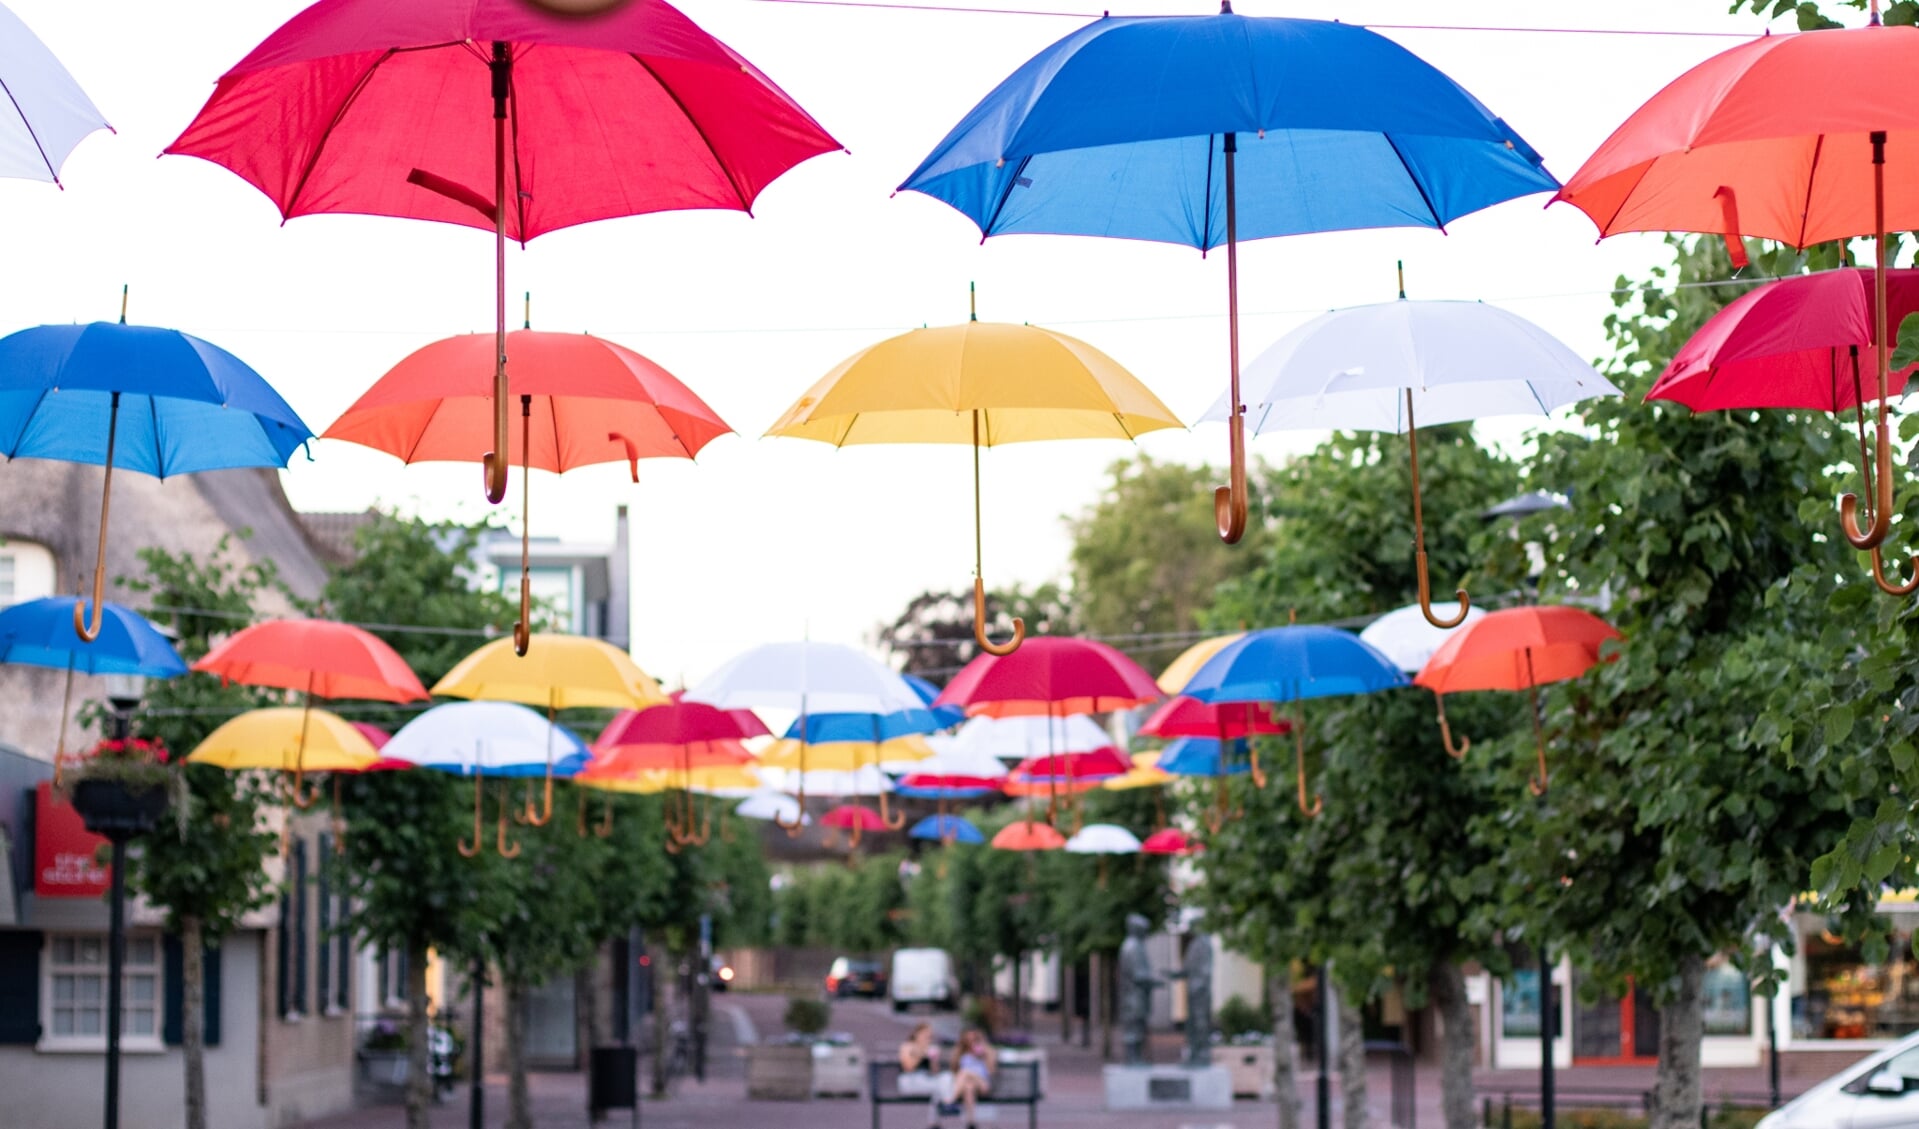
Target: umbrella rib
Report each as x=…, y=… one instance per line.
x=1414, y=177
x=313, y=159
x=1005, y=195
x=159, y=450
x=731, y=181
x=31, y=132
x=1805, y=213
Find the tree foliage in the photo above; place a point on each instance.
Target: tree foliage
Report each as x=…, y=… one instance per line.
x=933, y=636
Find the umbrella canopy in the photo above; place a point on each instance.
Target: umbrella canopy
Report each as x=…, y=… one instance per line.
x=827, y=728
x=1169, y=841
x=1518, y=649
x=749, y=722
x=582, y=400
x=1145, y=773
x=51, y=114
x=1051, y=675
x=1190, y=717
x=388, y=110
x=558, y=672
x=955, y=774
x=947, y=829
x=983, y=383
x=1098, y=764
x=844, y=756
x=189, y=406
x=1141, y=128
x=1180, y=671
x=631, y=759
x=281, y=738
x=1384, y=367
x=678, y=722
x=864, y=781
x=776, y=806
x=488, y=738
x=319, y=657
x=1103, y=839
x=1407, y=637
x=1794, y=343
x=1292, y=664
x=1016, y=738
x=1204, y=756
x=1718, y=151
x=1028, y=835
x=1021, y=785
x=40, y=633
x=375, y=736
x=853, y=817
x=808, y=678
x=726, y=781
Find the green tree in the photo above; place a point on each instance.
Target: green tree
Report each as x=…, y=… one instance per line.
x=207, y=868
x=933, y=636
x=1678, y=824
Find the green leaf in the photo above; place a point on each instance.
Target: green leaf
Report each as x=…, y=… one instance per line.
x=1905, y=342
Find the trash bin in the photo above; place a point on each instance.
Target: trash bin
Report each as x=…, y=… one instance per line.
x=613, y=1080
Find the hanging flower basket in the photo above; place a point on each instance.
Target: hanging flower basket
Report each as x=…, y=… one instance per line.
x=121, y=785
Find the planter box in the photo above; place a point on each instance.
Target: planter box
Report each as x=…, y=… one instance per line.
x=779, y=1072
x=1251, y=1066
x=108, y=808
x=1011, y=1055
x=839, y=1069
x=385, y=1068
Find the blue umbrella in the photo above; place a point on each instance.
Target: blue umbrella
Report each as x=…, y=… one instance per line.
x=1140, y=128
x=188, y=406
x=826, y=728
x=1292, y=664
x=42, y=633
x=1200, y=756
x=946, y=829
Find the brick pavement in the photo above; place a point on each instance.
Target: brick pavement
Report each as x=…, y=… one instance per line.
x=1074, y=1099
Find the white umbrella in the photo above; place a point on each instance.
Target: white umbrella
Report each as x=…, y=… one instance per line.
x=776, y=806
x=959, y=761
x=865, y=781
x=1391, y=366
x=45, y=113
x=482, y=739
x=1103, y=839
x=1405, y=636
x=1016, y=738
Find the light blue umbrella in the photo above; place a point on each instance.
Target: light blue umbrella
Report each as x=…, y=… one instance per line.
x=1292, y=664
x=1142, y=128
x=488, y=739
x=153, y=400
x=49, y=113
x=947, y=829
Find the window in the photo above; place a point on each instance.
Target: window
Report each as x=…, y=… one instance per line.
x=1726, y=998
x=335, y=957
x=6, y=579
x=392, y=978
x=293, y=942
x=1838, y=994
x=75, y=988
x=26, y=572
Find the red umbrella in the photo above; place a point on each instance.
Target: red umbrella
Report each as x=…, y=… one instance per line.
x=1028, y=835
x=1221, y=721
x=678, y=736
x=748, y=721
x=378, y=738
x=1785, y=137
x=319, y=658
x=411, y=110
x=1517, y=649
x=583, y=400
x=1097, y=764
x=1171, y=841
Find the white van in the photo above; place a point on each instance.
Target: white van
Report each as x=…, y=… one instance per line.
x=1880, y=1092
x=923, y=976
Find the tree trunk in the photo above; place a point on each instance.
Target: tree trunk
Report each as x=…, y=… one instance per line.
x=1285, y=1047
x=1065, y=1000
x=1352, y=1062
x=519, y=1114
x=1456, y=1041
x=419, y=1078
x=586, y=1015
x=193, y=1018
x=662, y=1032
x=1107, y=1003
x=1676, y=1096
x=1019, y=990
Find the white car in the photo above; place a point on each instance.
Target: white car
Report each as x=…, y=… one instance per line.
x=1881, y=1092
x=923, y=976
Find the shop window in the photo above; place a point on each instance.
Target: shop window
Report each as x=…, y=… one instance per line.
x=74, y=988
x=1838, y=994
x=1727, y=997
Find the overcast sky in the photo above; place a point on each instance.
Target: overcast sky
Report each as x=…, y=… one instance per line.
x=764, y=539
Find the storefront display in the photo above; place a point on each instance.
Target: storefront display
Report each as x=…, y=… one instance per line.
x=1839, y=994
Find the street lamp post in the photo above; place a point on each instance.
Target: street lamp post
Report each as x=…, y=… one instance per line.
x=1548, y=1013
x=123, y=694
x=1324, y=1090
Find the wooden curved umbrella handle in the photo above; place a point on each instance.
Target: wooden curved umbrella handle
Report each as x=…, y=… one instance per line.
x=1880, y=520
x=506, y=850
x=1258, y=775
x=1456, y=751
x=579, y=817
x=979, y=625
x=605, y=828
x=1426, y=598
x=468, y=850
x=544, y=816
x=1310, y=811
x=799, y=820
x=88, y=632
x=1887, y=586
x=896, y=820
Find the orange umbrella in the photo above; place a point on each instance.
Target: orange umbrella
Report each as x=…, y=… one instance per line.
x=1517, y=649
x=1028, y=835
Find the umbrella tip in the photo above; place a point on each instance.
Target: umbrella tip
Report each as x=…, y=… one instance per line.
x=1225, y=7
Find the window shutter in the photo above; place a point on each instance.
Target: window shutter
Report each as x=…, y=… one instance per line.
x=341, y=992
x=302, y=943
x=20, y=987
x=211, y=966
x=323, y=964
x=283, y=981
x=173, y=987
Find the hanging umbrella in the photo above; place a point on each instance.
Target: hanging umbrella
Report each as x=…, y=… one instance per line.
x=1387, y=367
x=559, y=672
x=1795, y=343
x=1016, y=738
x=1223, y=721
x=1292, y=664
x=388, y=110
x=823, y=727
x=1103, y=839
x=582, y=401
x=1720, y=151
x=1216, y=760
x=1140, y=128
x=375, y=736
x=1407, y=637
x=854, y=817
x=1094, y=765
x=189, y=406
x=1028, y=835
x=984, y=383
x=489, y=739
x=675, y=737
x=776, y=806
x=1180, y=671
x=1171, y=841
x=276, y=737
x=51, y=114
x=947, y=829
x=1145, y=773
x=319, y=658
x=1519, y=649
x=844, y=756
x=41, y=633
x=956, y=774
x=806, y=677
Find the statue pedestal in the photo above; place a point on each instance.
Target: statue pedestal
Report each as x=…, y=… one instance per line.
x=1168, y=1086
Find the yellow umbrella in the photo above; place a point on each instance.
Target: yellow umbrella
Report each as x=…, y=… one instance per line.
x=843, y=756
x=560, y=672
x=270, y=739
x=983, y=383
x=726, y=780
x=1145, y=773
x=1181, y=670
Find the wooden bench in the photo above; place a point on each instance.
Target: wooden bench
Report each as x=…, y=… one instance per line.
x=1013, y=1084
